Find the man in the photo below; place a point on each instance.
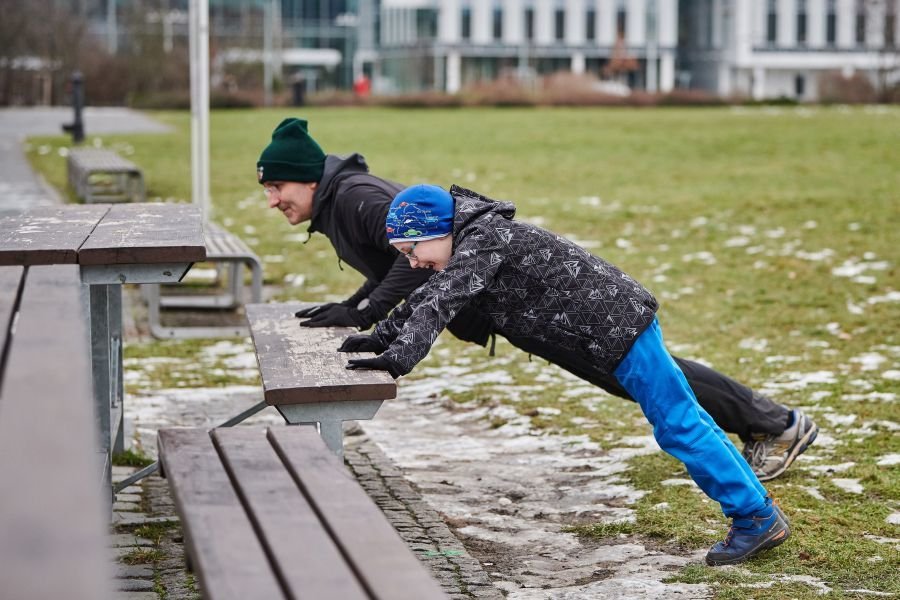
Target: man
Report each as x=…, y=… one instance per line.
x=343, y=201
x=534, y=284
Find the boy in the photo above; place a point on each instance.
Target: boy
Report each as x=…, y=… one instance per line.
x=535, y=284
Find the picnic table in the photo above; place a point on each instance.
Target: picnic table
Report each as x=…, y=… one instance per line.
x=113, y=245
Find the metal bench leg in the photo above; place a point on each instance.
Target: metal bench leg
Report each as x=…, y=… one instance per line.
x=105, y=356
x=329, y=416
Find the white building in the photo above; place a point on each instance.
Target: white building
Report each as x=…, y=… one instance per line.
x=781, y=48
x=446, y=44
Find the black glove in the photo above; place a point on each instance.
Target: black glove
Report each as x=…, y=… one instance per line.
x=379, y=363
x=337, y=316
x=362, y=343
x=314, y=310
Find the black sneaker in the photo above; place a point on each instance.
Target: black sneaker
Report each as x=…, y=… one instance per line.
x=770, y=455
x=750, y=536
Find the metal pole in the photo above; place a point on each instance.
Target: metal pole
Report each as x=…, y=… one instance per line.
x=112, y=31
x=267, y=53
x=199, y=49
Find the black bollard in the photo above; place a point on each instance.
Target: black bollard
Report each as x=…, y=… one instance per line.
x=76, y=127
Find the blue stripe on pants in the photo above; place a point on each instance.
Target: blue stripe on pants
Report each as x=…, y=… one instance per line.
x=686, y=431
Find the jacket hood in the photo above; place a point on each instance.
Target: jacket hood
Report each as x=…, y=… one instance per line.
x=471, y=206
x=335, y=167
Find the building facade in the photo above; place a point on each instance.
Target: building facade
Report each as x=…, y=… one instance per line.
x=447, y=44
x=783, y=48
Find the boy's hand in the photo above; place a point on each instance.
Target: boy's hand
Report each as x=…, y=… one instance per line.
x=376, y=364
x=336, y=315
x=362, y=343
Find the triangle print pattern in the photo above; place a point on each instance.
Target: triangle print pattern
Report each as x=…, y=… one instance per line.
x=529, y=282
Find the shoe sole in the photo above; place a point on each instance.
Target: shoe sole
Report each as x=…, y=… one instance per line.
x=776, y=540
x=799, y=448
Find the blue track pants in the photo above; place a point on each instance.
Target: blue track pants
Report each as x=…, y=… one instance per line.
x=686, y=431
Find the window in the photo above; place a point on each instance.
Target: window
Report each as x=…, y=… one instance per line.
x=426, y=23
x=799, y=86
x=590, y=26
x=498, y=23
x=466, y=23
x=772, y=22
x=831, y=23
x=801, y=22
x=560, y=29
x=621, y=18
x=529, y=24
x=860, y=22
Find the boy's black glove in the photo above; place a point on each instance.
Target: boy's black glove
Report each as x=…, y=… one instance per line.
x=362, y=343
x=337, y=315
x=378, y=363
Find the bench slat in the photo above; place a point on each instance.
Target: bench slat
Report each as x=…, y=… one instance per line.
x=309, y=563
x=382, y=559
x=146, y=233
x=47, y=235
x=227, y=556
x=52, y=522
x=302, y=364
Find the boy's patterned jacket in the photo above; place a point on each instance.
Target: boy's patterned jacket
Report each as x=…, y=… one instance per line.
x=530, y=282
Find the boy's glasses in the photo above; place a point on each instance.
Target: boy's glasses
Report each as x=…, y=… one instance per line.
x=409, y=253
x=269, y=190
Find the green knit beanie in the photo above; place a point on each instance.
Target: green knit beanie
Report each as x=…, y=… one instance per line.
x=292, y=155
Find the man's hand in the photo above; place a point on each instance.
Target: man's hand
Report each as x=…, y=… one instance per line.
x=362, y=343
x=314, y=310
x=378, y=363
x=336, y=315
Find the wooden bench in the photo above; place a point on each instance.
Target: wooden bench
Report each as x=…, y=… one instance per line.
x=52, y=526
x=98, y=175
x=275, y=515
x=229, y=253
x=304, y=376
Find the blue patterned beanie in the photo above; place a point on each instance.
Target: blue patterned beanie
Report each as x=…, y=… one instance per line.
x=419, y=213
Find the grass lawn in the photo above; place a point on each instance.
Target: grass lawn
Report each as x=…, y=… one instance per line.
x=769, y=236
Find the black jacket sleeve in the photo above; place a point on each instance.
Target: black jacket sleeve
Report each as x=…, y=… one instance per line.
x=363, y=209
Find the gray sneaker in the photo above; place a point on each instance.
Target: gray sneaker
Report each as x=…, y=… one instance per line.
x=770, y=455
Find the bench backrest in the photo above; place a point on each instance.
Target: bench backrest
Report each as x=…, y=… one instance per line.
x=276, y=515
x=52, y=523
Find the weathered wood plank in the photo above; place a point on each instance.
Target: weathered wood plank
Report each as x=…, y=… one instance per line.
x=47, y=235
x=226, y=554
x=11, y=279
x=302, y=364
x=146, y=234
x=52, y=521
x=381, y=558
x=307, y=560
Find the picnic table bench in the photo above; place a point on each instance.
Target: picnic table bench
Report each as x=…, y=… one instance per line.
x=275, y=514
x=100, y=175
x=112, y=245
x=305, y=378
x=53, y=540
x=229, y=253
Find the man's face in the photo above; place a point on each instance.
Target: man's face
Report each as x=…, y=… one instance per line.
x=430, y=254
x=292, y=198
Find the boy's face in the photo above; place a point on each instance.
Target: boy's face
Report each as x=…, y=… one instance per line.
x=292, y=198
x=430, y=254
